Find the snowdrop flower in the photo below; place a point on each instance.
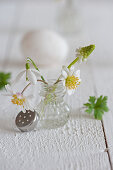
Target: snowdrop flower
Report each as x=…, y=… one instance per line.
x=31, y=75
x=19, y=99
x=83, y=52
x=71, y=80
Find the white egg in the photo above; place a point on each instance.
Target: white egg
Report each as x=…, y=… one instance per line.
x=46, y=47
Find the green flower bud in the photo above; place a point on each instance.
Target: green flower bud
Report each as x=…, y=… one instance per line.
x=27, y=66
x=85, y=51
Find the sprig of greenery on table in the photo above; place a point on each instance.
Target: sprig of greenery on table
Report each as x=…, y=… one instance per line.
x=4, y=78
x=97, y=106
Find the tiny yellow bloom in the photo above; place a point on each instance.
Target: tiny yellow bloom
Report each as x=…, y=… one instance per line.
x=72, y=82
x=71, y=79
x=18, y=99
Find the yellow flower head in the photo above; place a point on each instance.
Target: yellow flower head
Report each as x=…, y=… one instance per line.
x=71, y=79
x=18, y=99
x=72, y=82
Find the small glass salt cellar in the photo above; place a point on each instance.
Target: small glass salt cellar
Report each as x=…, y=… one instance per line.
x=52, y=109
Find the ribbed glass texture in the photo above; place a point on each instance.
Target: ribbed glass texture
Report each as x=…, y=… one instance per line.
x=52, y=109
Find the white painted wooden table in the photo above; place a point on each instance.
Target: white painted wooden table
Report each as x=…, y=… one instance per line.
x=83, y=143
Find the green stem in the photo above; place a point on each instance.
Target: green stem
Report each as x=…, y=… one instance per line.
x=30, y=84
x=27, y=68
x=73, y=62
x=30, y=60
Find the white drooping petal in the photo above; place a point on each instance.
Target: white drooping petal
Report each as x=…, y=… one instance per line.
x=70, y=92
x=23, y=109
x=31, y=106
x=63, y=82
x=36, y=72
x=80, y=59
x=80, y=80
x=79, y=55
x=85, y=59
x=77, y=73
x=9, y=89
x=65, y=69
x=6, y=94
x=30, y=97
x=78, y=51
x=71, y=70
x=18, y=77
x=28, y=105
x=31, y=77
x=64, y=74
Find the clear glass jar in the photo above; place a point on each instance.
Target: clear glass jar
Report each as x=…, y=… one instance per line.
x=52, y=109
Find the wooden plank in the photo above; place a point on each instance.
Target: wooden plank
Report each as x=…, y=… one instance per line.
x=16, y=56
x=78, y=145
x=37, y=18
x=103, y=79
x=8, y=21
x=3, y=45
x=7, y=11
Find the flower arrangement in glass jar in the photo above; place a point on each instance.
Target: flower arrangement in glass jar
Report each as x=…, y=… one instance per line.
x=52, y=111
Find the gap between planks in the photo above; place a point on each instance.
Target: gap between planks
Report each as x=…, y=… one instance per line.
x=107, y=148
x=102, y=123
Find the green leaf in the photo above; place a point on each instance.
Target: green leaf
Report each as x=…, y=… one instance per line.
x=87, y=104
x=4, y=78
x=98, y=115
x=92, y=99
x=105, y=108
x=99, y=101
x=98, y=105
x=89, y=110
